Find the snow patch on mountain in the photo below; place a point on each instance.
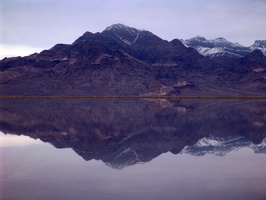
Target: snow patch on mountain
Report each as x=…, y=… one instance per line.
x=222, y=42
x=184, y=43
x=260, y=45
x=123, y=27
x=125, y=33
x=220, y=47
x=208, y=51
x=215, y=52
x=124, y=40
x=258, y=69
x=198, y=38
x=128, y=157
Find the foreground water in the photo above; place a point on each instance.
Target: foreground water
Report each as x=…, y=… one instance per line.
x=132, y=149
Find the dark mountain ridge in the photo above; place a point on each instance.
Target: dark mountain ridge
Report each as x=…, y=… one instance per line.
x=127, y=61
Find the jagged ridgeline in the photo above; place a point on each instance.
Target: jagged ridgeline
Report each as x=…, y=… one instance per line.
x=125, y=61
x=222, y=49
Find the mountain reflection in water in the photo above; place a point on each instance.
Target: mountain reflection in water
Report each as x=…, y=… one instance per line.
x=123, y=133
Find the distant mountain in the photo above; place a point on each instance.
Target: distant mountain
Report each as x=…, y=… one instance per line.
x=221, y=48
x=259, y=44
x=126, y=61
x=123, y=133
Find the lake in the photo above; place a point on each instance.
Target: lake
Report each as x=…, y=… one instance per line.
x=132, y=149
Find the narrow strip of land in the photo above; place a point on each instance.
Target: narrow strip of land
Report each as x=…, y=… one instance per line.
x=136, y=97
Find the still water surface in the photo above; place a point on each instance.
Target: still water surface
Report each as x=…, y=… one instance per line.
x=132, y=149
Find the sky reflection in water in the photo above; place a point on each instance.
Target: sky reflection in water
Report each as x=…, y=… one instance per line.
x=167, y=155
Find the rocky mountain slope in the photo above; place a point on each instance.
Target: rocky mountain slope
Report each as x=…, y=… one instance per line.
x=221, y=48
x=125, y=61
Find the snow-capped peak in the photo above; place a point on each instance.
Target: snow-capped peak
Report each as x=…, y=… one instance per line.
x=124, y=33
x=198, y=38
x=260, y=45
x=218, y=48
x=116, y=26
x=224, y=42
x=119, y=27
x=238, y=45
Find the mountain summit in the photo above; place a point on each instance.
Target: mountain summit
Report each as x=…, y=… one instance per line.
x=118, y=27
x=124, y=33
x=125, y=61
x=260, y=45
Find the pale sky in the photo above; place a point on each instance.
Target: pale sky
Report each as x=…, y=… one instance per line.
x=16, y=140
x=28, y=26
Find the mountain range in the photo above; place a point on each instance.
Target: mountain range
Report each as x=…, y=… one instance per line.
x=122, y=133
x=125, y=61
x=220, y=48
